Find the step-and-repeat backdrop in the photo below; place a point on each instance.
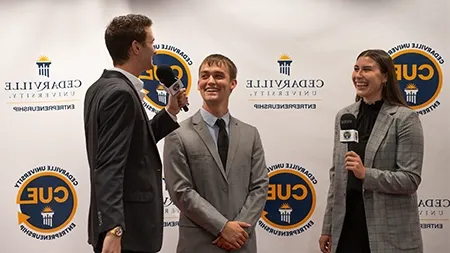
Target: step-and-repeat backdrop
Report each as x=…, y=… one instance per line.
x=294, y=61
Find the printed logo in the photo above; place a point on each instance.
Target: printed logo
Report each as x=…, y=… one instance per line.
x=434, y=212
x=47, y=202
x=291, y=200
x=157, y=97
x=347, y=135
x=43, y=90
x=419, y=74
x=284, y=89
x=171, y=212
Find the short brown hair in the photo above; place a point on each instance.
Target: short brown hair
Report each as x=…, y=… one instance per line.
x=390, y=91
x=219, y=60
x=122, y=31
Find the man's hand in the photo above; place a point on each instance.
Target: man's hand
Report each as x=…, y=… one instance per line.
x=111, y=244
x=177, y=102
x=234, y=233
x=222, y=243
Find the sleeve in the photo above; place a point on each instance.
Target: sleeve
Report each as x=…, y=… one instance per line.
x=180, y=187
x=116, y=123
x=258, y=187
x=162, y=124
x=409, y=158
x=328, y=216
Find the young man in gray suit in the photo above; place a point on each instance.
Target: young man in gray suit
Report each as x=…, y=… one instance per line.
x=215, y=169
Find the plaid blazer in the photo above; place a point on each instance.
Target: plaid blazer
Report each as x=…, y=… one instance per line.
x=393, y=159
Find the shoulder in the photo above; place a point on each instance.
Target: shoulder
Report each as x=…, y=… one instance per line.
x=185, y=125
x=109, y=90
x=244, y=127
x=348, y=109
x=184, y=128
x=404, y=112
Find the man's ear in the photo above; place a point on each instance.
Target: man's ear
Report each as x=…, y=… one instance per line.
x=135, y=47
x=233, y=84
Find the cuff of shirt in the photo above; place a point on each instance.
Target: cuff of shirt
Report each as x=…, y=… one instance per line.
x=223, y=228
x=174, y=117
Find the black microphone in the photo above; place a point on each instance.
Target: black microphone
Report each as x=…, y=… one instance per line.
x=167, y=77
x=348, y=133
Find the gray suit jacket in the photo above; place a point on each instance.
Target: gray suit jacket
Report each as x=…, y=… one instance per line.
x=393, y=158
x=206, y=195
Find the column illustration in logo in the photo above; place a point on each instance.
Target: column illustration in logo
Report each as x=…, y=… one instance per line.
x=285, y=64
x=411, y=93
x=44, y=66
x=47, y=216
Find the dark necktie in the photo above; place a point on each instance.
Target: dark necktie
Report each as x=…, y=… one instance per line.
x=222, y=142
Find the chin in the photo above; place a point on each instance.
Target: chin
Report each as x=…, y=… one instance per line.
x=361, y=94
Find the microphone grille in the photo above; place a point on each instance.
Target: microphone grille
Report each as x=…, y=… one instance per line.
x=348, y=121
x=165, y=74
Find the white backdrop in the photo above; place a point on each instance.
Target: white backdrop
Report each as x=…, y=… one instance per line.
x=42, y=124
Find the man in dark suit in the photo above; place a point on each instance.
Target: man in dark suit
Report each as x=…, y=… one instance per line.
x=126, y=208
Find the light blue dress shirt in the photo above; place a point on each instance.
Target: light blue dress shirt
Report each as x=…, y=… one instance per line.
x=210, y=121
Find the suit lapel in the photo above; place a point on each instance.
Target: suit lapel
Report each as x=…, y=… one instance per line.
x=234, y=143
x=117, y=74
x=202, y=130
x=379, y=131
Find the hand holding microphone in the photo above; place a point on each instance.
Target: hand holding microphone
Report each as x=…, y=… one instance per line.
x=174, y=86
x=349, y=134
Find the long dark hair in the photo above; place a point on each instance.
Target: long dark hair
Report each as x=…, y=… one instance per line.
x=390, y=91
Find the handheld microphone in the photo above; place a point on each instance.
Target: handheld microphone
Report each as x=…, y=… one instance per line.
x=348, y=133
x=166, y=76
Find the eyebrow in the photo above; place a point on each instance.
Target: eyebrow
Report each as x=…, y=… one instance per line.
x=214, y=72
x=365, y=66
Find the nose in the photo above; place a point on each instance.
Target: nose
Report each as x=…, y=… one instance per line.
x=357, y=73
x=211, y=80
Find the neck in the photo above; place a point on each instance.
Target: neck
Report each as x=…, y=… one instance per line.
x=217, y=110
x=372, y=100
x=130, y=68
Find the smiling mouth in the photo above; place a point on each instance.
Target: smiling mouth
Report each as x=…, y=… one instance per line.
x=361, y=84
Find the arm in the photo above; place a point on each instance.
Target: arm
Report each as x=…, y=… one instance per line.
x=409, y=159
x=116, y=122
x=181, y=190
x=327, y=220
x=258, y=187
x=162, y=124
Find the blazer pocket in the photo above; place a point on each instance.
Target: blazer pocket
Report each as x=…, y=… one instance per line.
x=138, y=197
x=403, y=225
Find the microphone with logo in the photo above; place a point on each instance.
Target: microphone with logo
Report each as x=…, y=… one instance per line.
x=167, y=77
x=348, y=133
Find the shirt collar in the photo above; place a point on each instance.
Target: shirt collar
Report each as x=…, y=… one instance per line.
x=210, y=119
